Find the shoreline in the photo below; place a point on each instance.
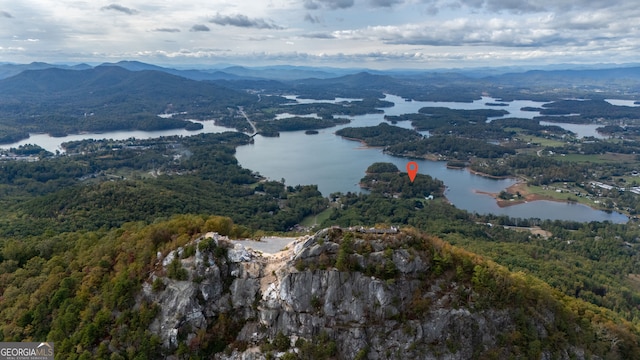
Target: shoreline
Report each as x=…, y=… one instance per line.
x=520, y=186
x=475, y=172
x=363, y=144
x=526, y=196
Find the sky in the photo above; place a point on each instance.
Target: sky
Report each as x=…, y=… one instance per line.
x=378, y=34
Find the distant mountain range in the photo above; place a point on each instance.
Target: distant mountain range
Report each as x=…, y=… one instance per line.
x=293, y=73
x=104, y=98
x=8, y=70
x=41, y=97
x=44, y=97
x=64, y=84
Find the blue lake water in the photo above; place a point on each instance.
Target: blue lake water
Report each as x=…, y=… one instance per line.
x=337, y=165
x=618, y=102
x=54, y=144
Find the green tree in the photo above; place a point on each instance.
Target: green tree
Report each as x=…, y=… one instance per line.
x=176, y=271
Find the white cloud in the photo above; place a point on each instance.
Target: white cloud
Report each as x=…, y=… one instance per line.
x=397, y=31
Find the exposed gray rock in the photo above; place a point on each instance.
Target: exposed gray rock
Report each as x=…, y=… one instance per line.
x=239, y=254
x=407, y=263
x=168, y=259
x=355, y=311
x=179, y=305
x=244, y=292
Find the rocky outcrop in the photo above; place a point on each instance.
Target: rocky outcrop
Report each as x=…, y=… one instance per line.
x=368, y=296
x=187, y=303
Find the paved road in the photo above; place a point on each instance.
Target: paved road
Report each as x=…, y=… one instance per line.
x=253, y=126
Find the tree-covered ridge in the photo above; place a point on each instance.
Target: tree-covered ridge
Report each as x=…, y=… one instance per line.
x=386, y=179
x=114, y=182
x=588, y=111
x=450, y=147
x=476, y=285
x=82, y=289
x=381, y=135
x=474, y=124
x=108, y=98
x=462, y=87
x=273, y=127
x=437, y=120
x=101, y=185
x=467, y=123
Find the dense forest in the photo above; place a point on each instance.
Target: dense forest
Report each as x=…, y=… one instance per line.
x=450, y=147
x=269, y=128
x=94, y=186
x=587, y=111
x=405, y=142
x=79, y=289
x=476, y=126
x=81, y=292
x=385, y=178
x=381, y=135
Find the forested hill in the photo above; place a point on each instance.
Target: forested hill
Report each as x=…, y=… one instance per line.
x=8, y=70
x=86, y=86
x=167, y=290
x=104, y=98
x=574, y=76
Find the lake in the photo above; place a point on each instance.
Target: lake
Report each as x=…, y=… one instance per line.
x=337, y=165
x=622, y=102
x=54, y=144
x=513, y=107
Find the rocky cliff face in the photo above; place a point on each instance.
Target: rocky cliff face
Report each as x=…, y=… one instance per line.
x=340, y=295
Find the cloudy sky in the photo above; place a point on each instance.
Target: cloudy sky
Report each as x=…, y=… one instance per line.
x=349, y=33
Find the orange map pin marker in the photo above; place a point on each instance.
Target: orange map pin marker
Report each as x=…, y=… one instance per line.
x=412, y=170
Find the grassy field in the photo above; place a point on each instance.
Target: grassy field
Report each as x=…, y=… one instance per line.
x=628, y=180
x=565, y=195
x=597, y=158
x=313, y=220
x=544, y=142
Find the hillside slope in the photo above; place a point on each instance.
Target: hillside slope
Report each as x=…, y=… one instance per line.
x=167, y=290
x=106, y=98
